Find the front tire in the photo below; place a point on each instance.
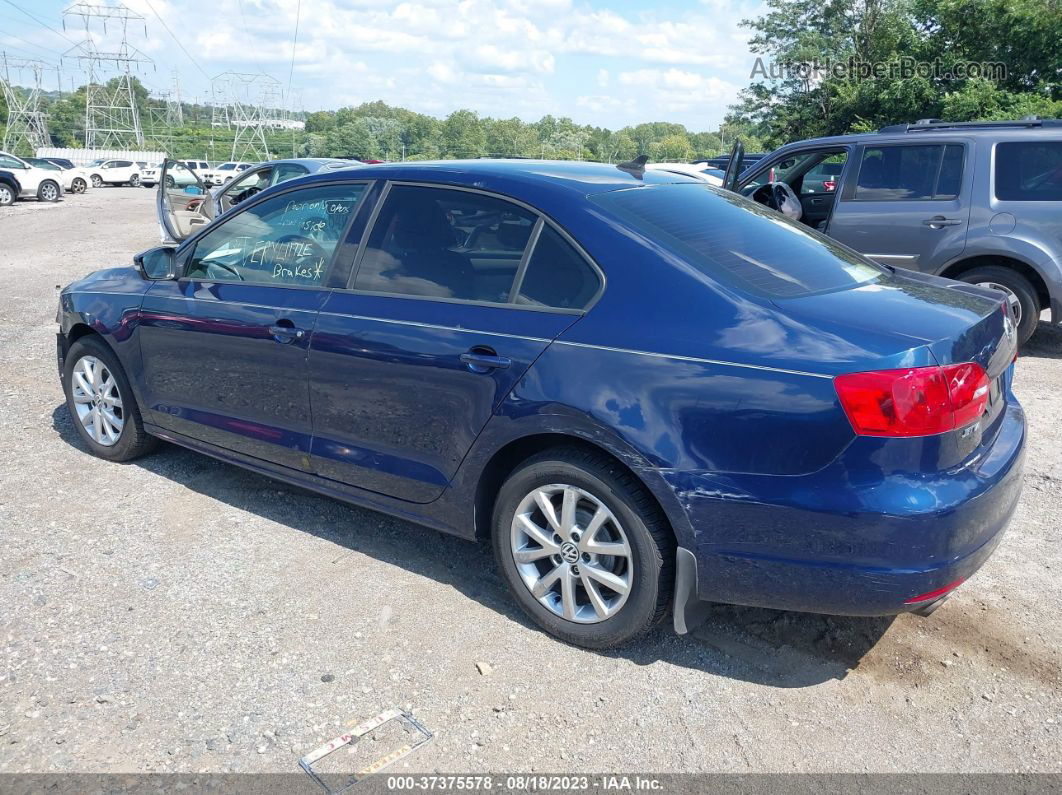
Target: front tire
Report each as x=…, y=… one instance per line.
x=96, y=180
x=584, y=548
x=49, y=191
x=1019, y=291
x=7, y=195
x=101, y=402
x=134, y=181
x=78, y=186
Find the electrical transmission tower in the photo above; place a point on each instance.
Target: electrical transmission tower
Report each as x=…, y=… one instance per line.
x=249, y=96
x=26, y=129
x=111, y=117
x=174, y=111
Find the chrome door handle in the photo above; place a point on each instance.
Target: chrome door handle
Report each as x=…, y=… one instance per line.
x=937, y=221
x=286, y=334
x=484, y=362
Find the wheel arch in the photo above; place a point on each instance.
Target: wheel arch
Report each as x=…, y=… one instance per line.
x=504, y=461
x=956, y=269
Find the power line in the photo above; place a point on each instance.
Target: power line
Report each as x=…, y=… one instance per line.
x=195, y=63
x=294, y=42
x=38, y=20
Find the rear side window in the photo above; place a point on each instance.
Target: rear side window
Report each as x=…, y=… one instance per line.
x=739, y=242
x=1029, y=171
x=897, y=173
x=557, y=275
x=445, y=243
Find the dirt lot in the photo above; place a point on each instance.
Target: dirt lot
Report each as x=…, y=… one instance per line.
x=179, y=614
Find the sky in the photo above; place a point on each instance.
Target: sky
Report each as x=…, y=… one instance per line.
x=603, y=62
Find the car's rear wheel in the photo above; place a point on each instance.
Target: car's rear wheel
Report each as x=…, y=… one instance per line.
x=101, y=402
x=134, y=181
x=48, y=191
x=1021, y=295
x=96, y=180
x=583, y=548
x=7, y=196
x=78, y=185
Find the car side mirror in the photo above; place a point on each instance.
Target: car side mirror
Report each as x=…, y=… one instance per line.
x=157, y=264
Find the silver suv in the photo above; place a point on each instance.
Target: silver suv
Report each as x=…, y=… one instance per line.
x=980, y=202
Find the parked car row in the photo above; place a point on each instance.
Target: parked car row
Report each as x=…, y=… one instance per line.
x=39, y=178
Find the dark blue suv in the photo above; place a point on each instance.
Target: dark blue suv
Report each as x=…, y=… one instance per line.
x=646, y=392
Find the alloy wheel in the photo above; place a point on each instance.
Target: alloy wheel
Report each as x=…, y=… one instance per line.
x=97, y=181
x=97, y=400
x=78, y=186
x=135, y=181
x=49, y=192
x=1012, y=298
x=7, y=196
x=572, y=553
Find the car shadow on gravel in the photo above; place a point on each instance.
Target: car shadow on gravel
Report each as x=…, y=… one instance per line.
x=771, y=647
x=1045, y=343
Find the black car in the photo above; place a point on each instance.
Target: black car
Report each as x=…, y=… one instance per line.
x=10, y=189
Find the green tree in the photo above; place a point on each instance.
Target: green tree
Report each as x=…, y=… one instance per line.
x=463, y=135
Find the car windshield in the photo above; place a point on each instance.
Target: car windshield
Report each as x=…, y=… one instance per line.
x=42, y=164
x=226, y=167
x=739, y=242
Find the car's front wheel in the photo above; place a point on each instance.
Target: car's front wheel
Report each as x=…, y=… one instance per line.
x=584, y=548
x=134, y=181
x=48, y=191
x=96, y=180
x=78, y=185
x=7, y=195
x=101, y=403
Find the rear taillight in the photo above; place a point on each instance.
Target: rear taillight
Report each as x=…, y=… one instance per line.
x=829, y=184
x=918, y=401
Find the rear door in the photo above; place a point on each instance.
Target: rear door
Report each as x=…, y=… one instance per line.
x=454, y=295
x=224, y=346
x=906, y=204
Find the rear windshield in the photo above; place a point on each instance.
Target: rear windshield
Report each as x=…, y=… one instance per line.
x=739, y=242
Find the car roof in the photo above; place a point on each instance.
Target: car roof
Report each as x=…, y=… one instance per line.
x=910, y=133
x=508, y=175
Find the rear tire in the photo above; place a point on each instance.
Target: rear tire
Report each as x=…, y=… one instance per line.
x=642, y=566
x=134, y=181
x=1017, y=288
x=108, y=393
x=96, y=180
x=49, y=191
x=78, y=186
x=7, y=195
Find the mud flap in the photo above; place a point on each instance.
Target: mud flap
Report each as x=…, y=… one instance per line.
x=689, y=611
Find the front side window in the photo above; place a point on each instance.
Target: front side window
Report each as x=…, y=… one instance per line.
x=285, y=171
x=445, y=244
x=6, y=161
x=1029, y=171
x=285, y=240
x=739, y=242
x=897, y=173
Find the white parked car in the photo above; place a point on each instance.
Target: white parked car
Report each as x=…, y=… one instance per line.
x=149, y=176
x=202, y=169
x=701, y=171
x=227, y=171
x=74, y=180
x=45, y=184
x=113, y=172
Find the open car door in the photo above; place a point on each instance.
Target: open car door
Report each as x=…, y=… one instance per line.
x=183, y=202
x=733, y=167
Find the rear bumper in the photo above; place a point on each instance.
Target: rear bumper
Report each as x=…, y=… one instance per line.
x=840, y=544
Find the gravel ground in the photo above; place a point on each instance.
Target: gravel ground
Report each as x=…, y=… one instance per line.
x=180, y=614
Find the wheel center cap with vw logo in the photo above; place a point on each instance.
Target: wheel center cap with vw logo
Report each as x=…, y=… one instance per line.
x=569, y=552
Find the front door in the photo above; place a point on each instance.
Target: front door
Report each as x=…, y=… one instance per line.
x=224, y=346
x=456, y=294
x=907, y=204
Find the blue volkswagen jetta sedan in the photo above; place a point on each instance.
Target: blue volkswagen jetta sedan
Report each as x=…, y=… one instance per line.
x=648, y=394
